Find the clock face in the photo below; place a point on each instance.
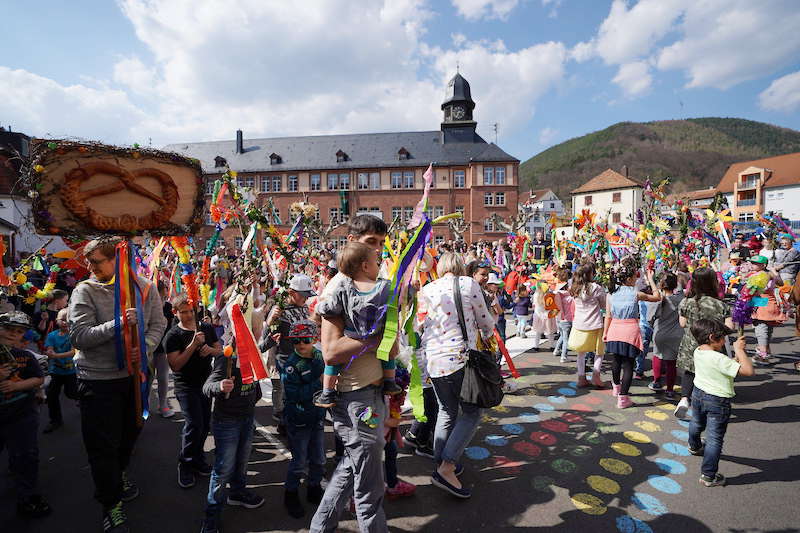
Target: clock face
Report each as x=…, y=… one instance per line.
x=458, y=112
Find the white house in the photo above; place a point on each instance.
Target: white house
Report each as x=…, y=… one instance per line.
x=609, y=194
x=543, y=204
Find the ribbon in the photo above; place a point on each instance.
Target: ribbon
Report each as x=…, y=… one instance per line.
x=422, y=205
x=415, y=391
x=503, y=350
x=246, y=349
x=4, y=281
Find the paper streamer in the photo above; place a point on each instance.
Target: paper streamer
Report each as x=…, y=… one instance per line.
x=422, y=205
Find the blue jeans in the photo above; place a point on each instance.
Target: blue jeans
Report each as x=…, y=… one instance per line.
x=647, y=336
x=20, y=436
x=522, y=324
x=564, y=327
x=390, y=463
x=233, y=439
x=453, y=430
x=710, y=413
x=306, y=445
x=196, y=408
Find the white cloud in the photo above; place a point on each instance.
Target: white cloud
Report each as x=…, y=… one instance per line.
x=634, y=78
x=782, y=94
x=547, y=136
x=554, y=5
x=133, y=73
x=484, y=9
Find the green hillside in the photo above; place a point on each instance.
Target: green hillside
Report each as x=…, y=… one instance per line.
x=694, y=152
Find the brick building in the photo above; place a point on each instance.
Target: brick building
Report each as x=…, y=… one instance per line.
x=376, y=173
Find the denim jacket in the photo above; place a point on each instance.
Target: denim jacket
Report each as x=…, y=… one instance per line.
x=301, y=379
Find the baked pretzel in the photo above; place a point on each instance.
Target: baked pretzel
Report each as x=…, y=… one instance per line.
x=74, y=199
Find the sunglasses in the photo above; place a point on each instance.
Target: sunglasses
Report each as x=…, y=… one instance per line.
x=303, y=341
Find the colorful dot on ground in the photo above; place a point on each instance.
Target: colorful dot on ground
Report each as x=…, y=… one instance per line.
x=626, y=449
x=605, y=427
x=684, y=423
x=649, y=504
x=556, y=399
x=589, y=504
x=542, y=438
x=529, y=418
x=619, y=417
x=595, y=438
x=573, y=384
x=680, y=434
x=572, y=418
x=563, y=466
x=675, y=448
x=646, y=425
x=594, y=400
x=567, y=391
x=554, y=425
x=526, y=448
x=615, y=466
x=581, y=407
x=670, y=466
x=656, y=415
x=578, y=450
x=667, y=406
x=477, y=453
x=665, y=484
x=514, y=429
x=486, y=419
x=542, y=483
x=496, y=440
x=544, y=407
x=636, y=436
x=628, y=524
x=603, y=484
x=501, y=409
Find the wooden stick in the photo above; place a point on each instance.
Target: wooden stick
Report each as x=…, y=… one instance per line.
x=134, y=333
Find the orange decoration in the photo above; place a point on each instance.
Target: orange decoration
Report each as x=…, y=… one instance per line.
x=228, y=351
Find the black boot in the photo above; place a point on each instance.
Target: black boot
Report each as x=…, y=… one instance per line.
x=314, y=494
x=292, y=502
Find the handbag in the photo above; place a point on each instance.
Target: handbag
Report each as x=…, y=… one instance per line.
x=483, y=383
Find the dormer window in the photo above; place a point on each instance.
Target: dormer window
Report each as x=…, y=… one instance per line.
x=219, y=161
x=403, y=154
x=275, y=159
x=341, y=157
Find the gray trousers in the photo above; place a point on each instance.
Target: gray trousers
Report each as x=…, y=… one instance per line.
x=360, y=472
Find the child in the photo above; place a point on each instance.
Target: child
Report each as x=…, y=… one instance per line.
x=587, y=324
x=301, y=375
x=566, y=306
x=766, y=317
x=713, y=390
x=20, y=376
x=360, y=299
x=621, y=332
x=543, y=324
x=395, y=487
x=232, y=426
x=668, y=336
x=522, y=310
x=62, y=370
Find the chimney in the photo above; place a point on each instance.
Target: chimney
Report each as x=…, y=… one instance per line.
x=625, y=170
x=239, y=142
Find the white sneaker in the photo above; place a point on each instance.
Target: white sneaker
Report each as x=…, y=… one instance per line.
x=564, y=359
x=166, y=412
x=682, y=408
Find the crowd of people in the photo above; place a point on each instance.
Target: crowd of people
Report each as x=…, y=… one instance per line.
x=324, y=346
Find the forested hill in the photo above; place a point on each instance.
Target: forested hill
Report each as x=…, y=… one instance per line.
x=694, y=152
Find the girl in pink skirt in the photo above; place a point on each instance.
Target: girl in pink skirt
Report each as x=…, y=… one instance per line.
x=587, y=323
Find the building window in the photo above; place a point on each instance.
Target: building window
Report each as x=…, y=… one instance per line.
x=408, y=214
x=746, y=217
x=750, y=181
x=616, y=197
x=438, y=211
x=587, y=200
x=746, y=198
x=552, y=205
x=316, y=182
x=209, y=220
x=363, y=180
x=292, y=184
x=408, y=179
x=341, y=157
x=536, y=218
x=315, y=242
x=275, y=159
x=488, y=198
x=333, y=182
x=403, y=154
x=276, y=216
x=438, y=239
x=459, y=179
x=264, y=182
x=337, y=215
x=488, y=225
x=488, y=175
x=246, y=181
x=397, y=180
x=500, y=198
x=344, y=182
x=500, y=175
x=210, y=186
x=460, y=209
x=616, y=218
x=397, y=212
x=375, y=180
x=779, y=196
x=219, y=161
x=237, y=243
x=276, y=184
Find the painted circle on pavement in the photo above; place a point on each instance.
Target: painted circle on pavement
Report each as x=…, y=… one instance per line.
x=527, y=448
x=544, y=407
x=496, y=440
x=649, y=504
x=556, y=399
x=619, y=417
x=582, y=407
x=684, y=423
x=603, y=484
x=554, y=425
x=629, y=524
x=543, y=438
x=605, y=427
x=567, y=391
x=670, y=466
x=542, y=483
x=572, y=418
x=529, y=417
x=514, y=429
x=665, y=484
x=667, y=406
x=589, y=504
x=573, y=384
x=577, y=450
x=680, y=434
x=477, y=452
x=595, y=438
x=486, y=419
x=636, y=436
x=594, y=400
x=646, y=425
x=656, y=415
x=626, y=449
x=615, y=466
x=500, y=409
x=563, y=466
x=675, y=448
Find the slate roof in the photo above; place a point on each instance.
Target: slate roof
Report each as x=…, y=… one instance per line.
x=784, y=170
x=364, y=151
x=607, y=180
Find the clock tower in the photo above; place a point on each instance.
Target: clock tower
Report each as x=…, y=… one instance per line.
x=458, y=125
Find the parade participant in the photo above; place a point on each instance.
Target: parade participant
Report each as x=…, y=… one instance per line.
x=395, y=487
x=740, y=247
x=445, y=350
x=160, y=367
x=522, y=311
x=713, y=390
x=543, y=323
x=360, y=300
x=587, y=324
x=301, y=375
x=766, y=317
x=232, y=426
x=621, y=333
x=61, y=369
x=106, y=392
x=493, y=294
x=45, y=320
x=646, y=311
x=702, y=302
x=190, y=347
x=667, y=336
x=787, y=259
x=20, y=377
x=566, y=312
x=539, y=249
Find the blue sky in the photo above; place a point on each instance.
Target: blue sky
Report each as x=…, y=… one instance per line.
x=165, y=71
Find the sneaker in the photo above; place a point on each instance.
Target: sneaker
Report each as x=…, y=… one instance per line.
x=211, y=524
x=655, y=386
x=34, y=506
x=583, y=382
x=247, y=499
x=669, y=395
x=443, y=484
x=292, y=502
x=425, y=451
x=201, y=469
x=615, y=389
x=129, y=489
x=115, y=520
x=186, y=477
x=314, y=494
x=699, y=451
x=410, y=440
x=281, y=429
x=639, y=377
x=717, y=481
x=166, y=412
x=391, y=388
x=564, y=359
x=682, y=408
x=401, y=490
x=326, y=398
x=624, y=401
x=52, y=426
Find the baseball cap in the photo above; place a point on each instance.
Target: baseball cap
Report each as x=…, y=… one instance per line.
x=760, y=259
x=303, y=330
x=494, y=280
x=15, y=318
x=302, y=284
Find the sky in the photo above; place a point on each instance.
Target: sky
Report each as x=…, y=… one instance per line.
x=162, y=71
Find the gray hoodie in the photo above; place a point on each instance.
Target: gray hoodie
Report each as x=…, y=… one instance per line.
x=91, y=327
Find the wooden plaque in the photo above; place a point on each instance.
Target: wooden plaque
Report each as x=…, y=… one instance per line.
x=92, y=189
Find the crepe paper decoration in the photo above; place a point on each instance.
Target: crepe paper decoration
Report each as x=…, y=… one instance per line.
x=422, y=205
x=504, y=351
x=550, y=305
x=249, y=356
x=785, y=227
x=4, y=281
x=741, y=314
x=415, y=390
x=445, y=218
x=64, y=254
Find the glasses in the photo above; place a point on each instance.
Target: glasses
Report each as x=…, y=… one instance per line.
x=96, y=262
x=303, y=341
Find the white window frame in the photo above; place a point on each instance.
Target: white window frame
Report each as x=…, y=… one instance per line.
x=397, y=180
x=396, y=212
x=375, y=180
x=333, y=181
x=500, y=198
x=277, y=183
x=292, y=183
x=363, y=181
x=315, y=184
x=500, y=175
x=488, y=175
x=459, y=179
x=488, y=198
x=409, y=179
x=488, y=226
x=344, y=181
x=408, y=213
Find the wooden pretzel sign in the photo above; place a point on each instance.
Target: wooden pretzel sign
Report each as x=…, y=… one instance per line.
x=90, y=189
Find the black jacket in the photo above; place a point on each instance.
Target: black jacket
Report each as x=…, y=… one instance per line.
x=242, y=399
